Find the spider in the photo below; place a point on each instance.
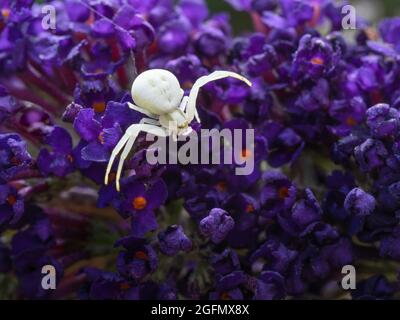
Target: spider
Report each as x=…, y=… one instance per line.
x=158, y=95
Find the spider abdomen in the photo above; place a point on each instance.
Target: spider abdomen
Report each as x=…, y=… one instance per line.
x=157, y=91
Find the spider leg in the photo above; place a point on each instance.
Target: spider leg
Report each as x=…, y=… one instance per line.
x=120, y=146
x=188, y=131
x=132, y=133
x=216, y=75
x=114, y=154
x=149, y=121
x=141, y=110
x=124, y=155
x=184, y=103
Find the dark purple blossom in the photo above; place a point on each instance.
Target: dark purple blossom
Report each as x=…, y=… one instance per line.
x=226, y=262
x=173, y=240
x=14, y=156
x=140, y=202
x=270, y=286
x=383, y=120
x=138, y=259
x=11, y=206
x=314, y=58
x=216, y=225
x=278, y=193
x=228, y=286
x=59, y=161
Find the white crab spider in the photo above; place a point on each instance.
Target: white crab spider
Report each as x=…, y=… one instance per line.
x=158, y=95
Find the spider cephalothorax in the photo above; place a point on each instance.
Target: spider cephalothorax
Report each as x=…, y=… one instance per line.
x=158, y=95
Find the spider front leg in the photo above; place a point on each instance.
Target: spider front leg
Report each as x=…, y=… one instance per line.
x=191, y=110
x=129, y=139
x=120, y=146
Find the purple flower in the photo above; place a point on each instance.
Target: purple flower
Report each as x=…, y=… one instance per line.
x=226, y=262
x=29, y=273
x=174, y=36
x=100, y=140
x=173, y=240
x=29, y=250
x=339, y=253
x=371, y=154
x=216, y=225
x=303, y=213
x=270, y=286
x=140, y=202
x=102, y=285
x=228, y=286
x=383, y=120
x=277, y=256
x=14, y=156
x=211, y=40
x=284, y=143
x=314, y=58
x=297, y=12
x=77, y=11
x=264, y=5
x=244, y=209
x=59, y=161
x=11, y=207
x=278, y=193
x=358, y=203
x=8, y=104
x=195, y=10
x=138, y=259
x=339, y=185
x=389, y=31
x=186, y=68
x=348, y=114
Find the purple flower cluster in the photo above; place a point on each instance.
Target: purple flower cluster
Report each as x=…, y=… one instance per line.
x=325, y=191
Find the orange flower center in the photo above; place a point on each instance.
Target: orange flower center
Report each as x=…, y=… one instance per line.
x=283, y=192
x=5, y=13
x=225, y=296
x=112, y=176
x=11, y=199
x=70, y=158
x=124, y=286
x=141, y=255
x=250, y=208
x=99, y=106
x=15, y=161
x=187, y=85
x=90, y=20
x=139, y=203
x=221, y=186
x=351, y=122
x=318, y=61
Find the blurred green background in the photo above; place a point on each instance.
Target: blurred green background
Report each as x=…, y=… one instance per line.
x=372, y=10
